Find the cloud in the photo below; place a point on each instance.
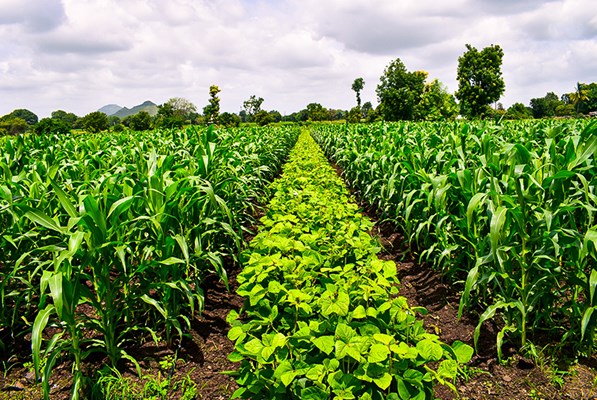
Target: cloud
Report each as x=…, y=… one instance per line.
x=78, y=55
x=34, y=15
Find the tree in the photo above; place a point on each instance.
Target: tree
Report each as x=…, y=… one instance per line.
x=182, y=108
x=436, y=103
x=12, y=125
x=357, y=86
x=52, y=126
x=354, y=115
x=399, y=91
x=252, y=107
x=113, y=120
x=64, y=116
x=140, y=121
x=212, y=110
x=578, y=96
x=545, y=106
x=590, y=104
x=168, y=118
x=29, y=117
x=480, y=80
x=95, y=122
x=519, y=111
x=263, y=118
x=316, y=112
x=229, y=119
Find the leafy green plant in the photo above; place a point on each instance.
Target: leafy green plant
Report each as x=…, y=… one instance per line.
x=322, y=316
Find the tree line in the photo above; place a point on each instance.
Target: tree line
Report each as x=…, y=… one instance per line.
x=401, y=94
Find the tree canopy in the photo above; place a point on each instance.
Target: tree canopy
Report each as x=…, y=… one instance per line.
x=357, y=86
x=95, y=122
x=252, y=106
x=212, y=110
x=480, y=80
x=399, y=91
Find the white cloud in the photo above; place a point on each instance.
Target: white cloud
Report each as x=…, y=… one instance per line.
x=78, y=55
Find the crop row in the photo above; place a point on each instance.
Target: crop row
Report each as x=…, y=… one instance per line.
x=322, y=316
x=108, y=237
x=508, y=211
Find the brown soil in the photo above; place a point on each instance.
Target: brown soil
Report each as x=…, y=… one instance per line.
x=202, y=357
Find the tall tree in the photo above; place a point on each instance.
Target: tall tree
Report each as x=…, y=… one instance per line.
x=212, y=110
x=252, y=107
x=480, y=80
x=436, y=103
x=399, y=91
x=578, y=96
x=357, y=86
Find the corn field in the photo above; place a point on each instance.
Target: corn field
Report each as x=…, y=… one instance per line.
x=506, y=212
x=108, y=237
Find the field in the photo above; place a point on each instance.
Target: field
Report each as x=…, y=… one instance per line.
x=117, y=245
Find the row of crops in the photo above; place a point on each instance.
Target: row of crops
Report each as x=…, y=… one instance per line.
x=107, y=238
x=322, y=316
x=507, y=211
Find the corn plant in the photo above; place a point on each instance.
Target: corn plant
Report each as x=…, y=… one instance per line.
x=107, y=235
x=506, y=210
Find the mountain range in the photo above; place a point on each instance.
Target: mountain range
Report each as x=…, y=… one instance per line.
x=122, y=112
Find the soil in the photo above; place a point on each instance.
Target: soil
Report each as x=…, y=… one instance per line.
x=200, y=357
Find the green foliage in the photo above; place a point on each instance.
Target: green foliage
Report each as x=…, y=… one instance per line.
x=263, y=118
x=480, y=80
x=28, y=116
x=316, y=112
x=399, y=91
x=436, y=103
x=322, y=316
x=357, y=86
x=519, y=111
x=140, y=121
x=590, y=104
x=125, y=225
x=251, y=107
x=63, y=116
x=13, y=126
x=175, y=113
x=545, y=106
x=95, y=122
x=229, y=119
x=52, y=126
x=212, y=110
x=506, y=210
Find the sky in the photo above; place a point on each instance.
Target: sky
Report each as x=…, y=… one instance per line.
x=79, y=55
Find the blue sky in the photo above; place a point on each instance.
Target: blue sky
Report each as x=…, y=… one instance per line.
x=79, y=55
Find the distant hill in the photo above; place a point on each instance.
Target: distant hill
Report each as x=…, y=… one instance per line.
x=110, y=109
x=148, y=106
x=121, y=112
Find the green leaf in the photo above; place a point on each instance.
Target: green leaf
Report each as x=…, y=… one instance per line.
x=41, y=320
x=359, y=312
x=42, y=219
x=430, y=349
x=378, y=353
x=324, y=343
x=463, y=351
x=384, y=381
